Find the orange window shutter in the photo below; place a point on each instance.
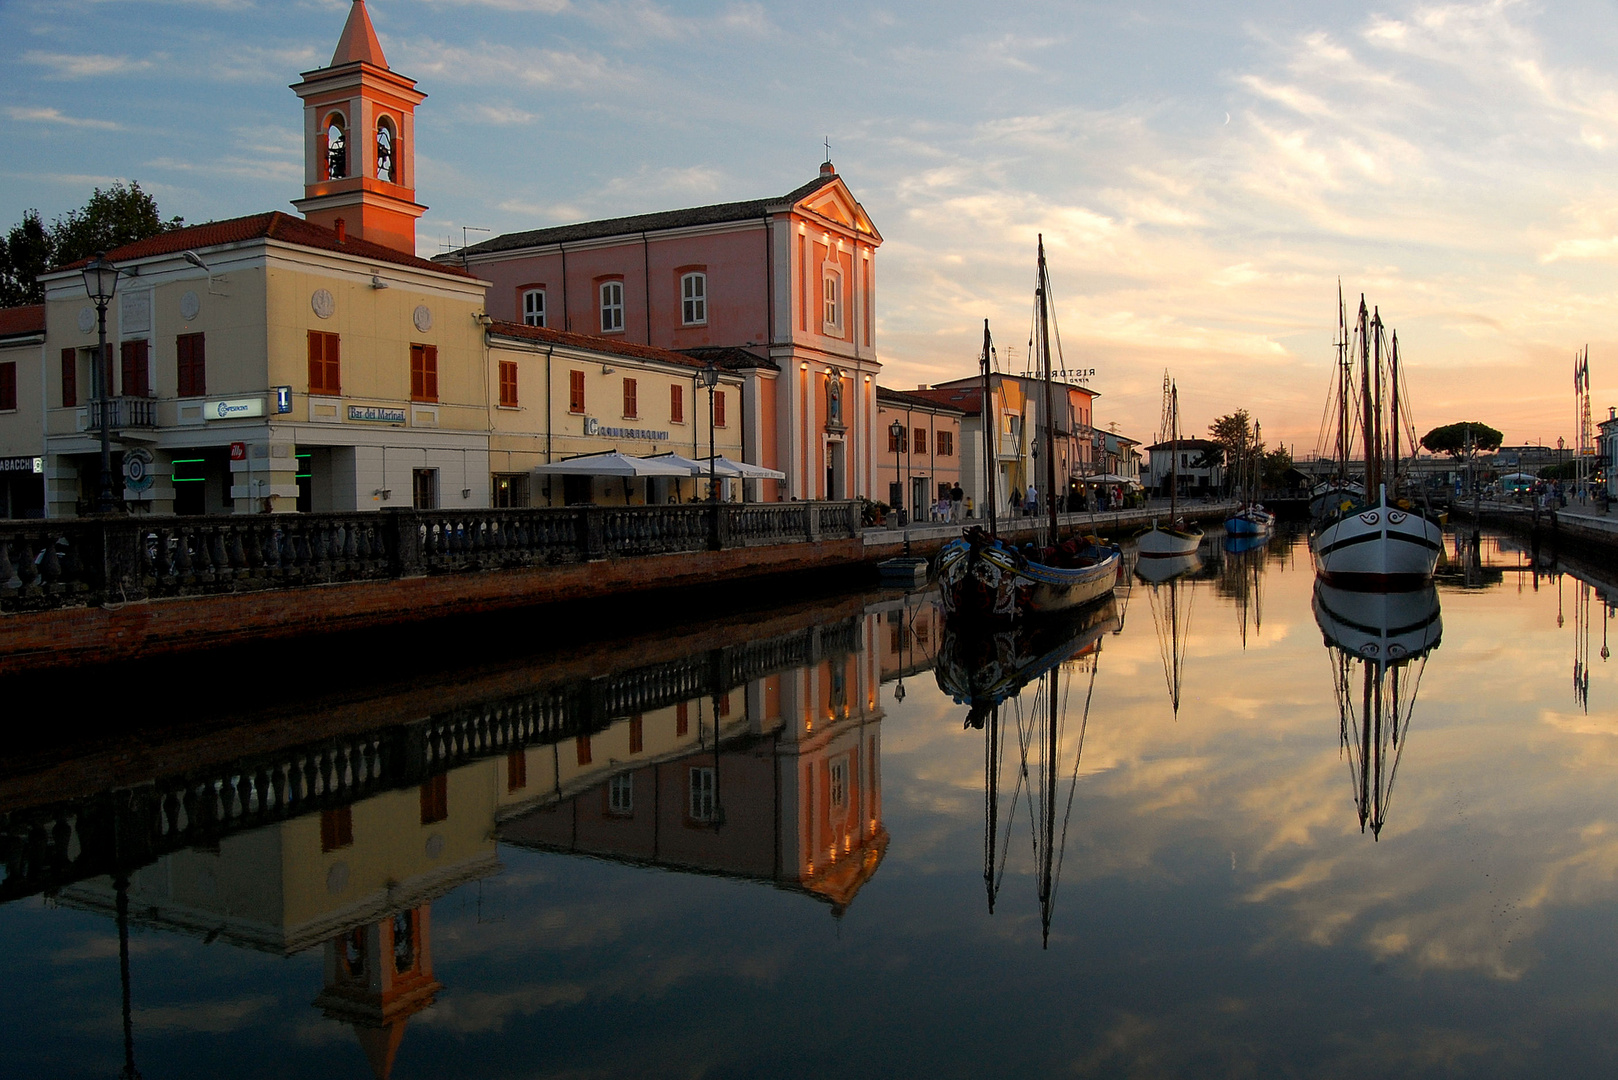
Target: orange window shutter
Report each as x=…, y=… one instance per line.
x=575, y=391
x=70, y=378
x=430, y=379
x=719, y=408
x=677, y=403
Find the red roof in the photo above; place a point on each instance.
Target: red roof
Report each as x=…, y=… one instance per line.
x=358, y=43
x=918, y=399
x=596, y=344
x=968, y=399
x=21, y=321
x=271, y=226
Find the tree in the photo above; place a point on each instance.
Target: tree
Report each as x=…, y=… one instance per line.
x=1238, y=440
x=1276, y=465
x=1451, y=439
x=112, y=218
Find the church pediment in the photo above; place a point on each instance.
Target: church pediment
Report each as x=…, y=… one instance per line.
x=835, y=203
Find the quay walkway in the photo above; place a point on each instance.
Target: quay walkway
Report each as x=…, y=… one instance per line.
x=104, y=590
x=1585, y=526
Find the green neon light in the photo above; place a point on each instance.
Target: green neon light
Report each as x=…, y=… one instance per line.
x=302, y=475
x=189, y=460
x=189, y=479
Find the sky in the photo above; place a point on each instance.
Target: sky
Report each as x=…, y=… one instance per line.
x=1204, y=173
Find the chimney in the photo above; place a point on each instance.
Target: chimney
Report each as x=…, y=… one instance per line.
x=923, y=386
x=342, y=230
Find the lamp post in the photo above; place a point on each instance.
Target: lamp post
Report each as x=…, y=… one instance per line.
x=710, y=379
x=100, y=282
x=897, y=430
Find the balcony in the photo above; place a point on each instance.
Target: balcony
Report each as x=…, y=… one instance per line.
x=127, y=412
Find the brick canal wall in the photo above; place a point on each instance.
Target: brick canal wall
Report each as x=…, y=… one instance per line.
x=69, y=636
x=927, y=537
x=1587, y=531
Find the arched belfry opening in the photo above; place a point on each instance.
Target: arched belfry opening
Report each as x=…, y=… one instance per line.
x=359, y=117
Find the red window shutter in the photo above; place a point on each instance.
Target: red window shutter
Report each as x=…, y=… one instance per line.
x=191, y=365
x=336, y=828
x=677, y=404
x=435, y=799
x=637, y=740
x=581, y=745
x=70, y=378
x=630, y=409
x=921, y=440
x=575, y=391
x=430, y=371
x=8, y=385
x=682, y=718
x=719, y=408
x=325, y=368
x=508, y=382
x=516, y=770
x=134, y=381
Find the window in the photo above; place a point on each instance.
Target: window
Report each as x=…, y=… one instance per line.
x=575, y=391
x=621, y=795
x=8, y=385
x=70, y=378
x=719, y=408
x=533, y=307
x=435, y=799
x=351, y=957
x=637, y=735
x=336, y=828
x=723, y=702
x=324, y=365
x=682, y=718
x=135, y=382
x=898, y=439
x=508, y=490
x=630, y=407
x=581, y=747
x=424, y=373
x=676, y=404
x=516, y=770
x=508, y=383
x=424, y=489
x=839, y=783
x=191, y=365
x=612, y=306
x=832, y=316
x=336, y=148
x=384, y=152
x=404, y=942
x=702, y=792
x=694, y=299
x=946, y=443
x=921, y=440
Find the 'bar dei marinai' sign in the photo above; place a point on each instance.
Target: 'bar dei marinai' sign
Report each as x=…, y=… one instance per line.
x=376, y=414
x=592, y=426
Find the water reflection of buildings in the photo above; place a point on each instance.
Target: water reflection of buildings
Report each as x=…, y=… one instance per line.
x=1387, y=637
x=756, y=757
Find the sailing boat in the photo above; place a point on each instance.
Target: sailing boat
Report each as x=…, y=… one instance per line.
x=1389, y=637
x=1179, y=538
x=1252, y=519
x=982, y=577
x=1377, y=540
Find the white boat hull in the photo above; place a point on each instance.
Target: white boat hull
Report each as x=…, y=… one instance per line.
x=1388, y=627
x=1158, y=543
x=1380, y=547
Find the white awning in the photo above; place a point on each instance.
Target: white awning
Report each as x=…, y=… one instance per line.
x=611, y=463
x=697, y=466
x=751, y=471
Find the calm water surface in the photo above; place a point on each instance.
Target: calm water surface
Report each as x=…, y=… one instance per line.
x=550, y=869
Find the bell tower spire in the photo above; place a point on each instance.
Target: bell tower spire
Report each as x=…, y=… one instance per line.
x=359, y=141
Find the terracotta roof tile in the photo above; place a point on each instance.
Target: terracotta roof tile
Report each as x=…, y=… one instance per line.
x=968, y=399
x=22, y=321
x=271, y=226
x=359, y=42
x=923, y=399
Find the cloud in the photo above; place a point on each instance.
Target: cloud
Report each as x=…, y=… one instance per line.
x=40, y=115
x=86, y=65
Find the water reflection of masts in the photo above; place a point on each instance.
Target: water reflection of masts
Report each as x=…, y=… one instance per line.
x=1039, y=732
x=1171, y=597
x=1389, y=637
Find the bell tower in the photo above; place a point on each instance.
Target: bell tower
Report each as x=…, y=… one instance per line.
x=359, y=127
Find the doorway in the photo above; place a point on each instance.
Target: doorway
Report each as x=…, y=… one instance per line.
x=834, y=470
x=424, y=489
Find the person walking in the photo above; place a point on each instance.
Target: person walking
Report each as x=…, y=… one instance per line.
x=1033, y=501
x=957, y=499
x=1016, y=500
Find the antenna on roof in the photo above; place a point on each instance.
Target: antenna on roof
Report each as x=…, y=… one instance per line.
x=469, y=229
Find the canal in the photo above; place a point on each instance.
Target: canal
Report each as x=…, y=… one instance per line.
x=1197, y=833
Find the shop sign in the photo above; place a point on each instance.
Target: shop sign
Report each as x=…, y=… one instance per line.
x=238, y=451
x=22, y=464
x=138, y=469
x=592, y=426
x=376, y=414
x=283, y=399
x=233, y=408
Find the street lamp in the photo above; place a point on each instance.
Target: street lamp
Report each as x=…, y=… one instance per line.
x=710, y=379
x=897, y=430
x=100, y=282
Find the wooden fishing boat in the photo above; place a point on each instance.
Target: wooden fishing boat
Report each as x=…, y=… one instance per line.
x=982, y=577
x=1179, y=537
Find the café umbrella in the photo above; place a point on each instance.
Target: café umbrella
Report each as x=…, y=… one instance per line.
x=611, y=463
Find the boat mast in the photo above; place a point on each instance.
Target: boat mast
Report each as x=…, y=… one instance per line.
x=1365, y=396
x=1045, y=368
x=1174, y=454
x=1395, y=412
x=991, y=432
x=1344, y=375
x=991, y=800
x=1377, y=413
x=1046, y=891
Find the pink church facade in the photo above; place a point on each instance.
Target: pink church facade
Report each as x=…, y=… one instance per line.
x=780, y=290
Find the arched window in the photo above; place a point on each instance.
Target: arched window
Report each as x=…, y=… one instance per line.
x=612, y=306
x=336, y=147
x=694, y=299
x=832, y=293
x=384, y=152
x=533, y=307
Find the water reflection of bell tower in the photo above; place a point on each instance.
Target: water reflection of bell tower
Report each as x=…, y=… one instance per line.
x=377, y=977
x=359, y=141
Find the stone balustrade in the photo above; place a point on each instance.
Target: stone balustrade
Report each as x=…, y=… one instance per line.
x=53, y=564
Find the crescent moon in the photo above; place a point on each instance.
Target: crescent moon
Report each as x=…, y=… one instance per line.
x=1227, y=118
